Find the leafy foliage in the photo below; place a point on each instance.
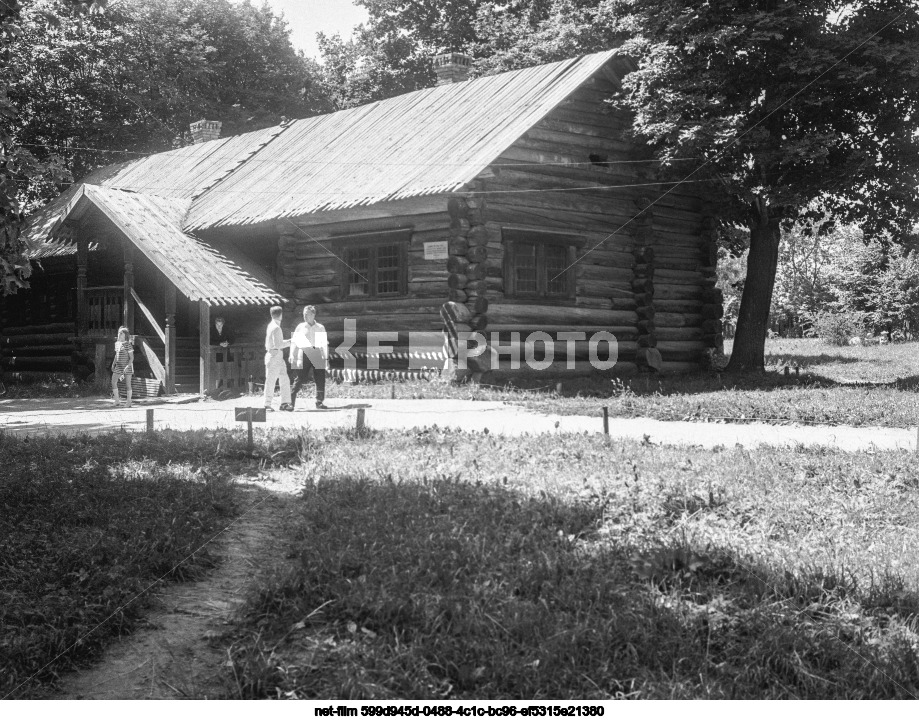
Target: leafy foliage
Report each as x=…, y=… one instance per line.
x=81, y=90
x=787, y=103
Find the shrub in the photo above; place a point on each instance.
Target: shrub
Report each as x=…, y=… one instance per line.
x=837, y=328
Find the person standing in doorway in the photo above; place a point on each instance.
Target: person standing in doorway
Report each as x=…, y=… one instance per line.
x=221, y=334
x=275, y=367
x=309, y=354
x=123, y=365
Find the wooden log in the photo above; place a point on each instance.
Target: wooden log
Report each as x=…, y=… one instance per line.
x=675, y=368
x=712, y=311
x=478, y=235
x=479, y=322
x=457, y=296
x=459, y=227
x=37, y=350
x=711, y=326
x=47, y=362
x=456, y=264
x=477, y=254
x=678, y=306
x=537, y=315
x=643, y=270
x=713, y=341
x=621, y=276
x=649, y=358
x=48, y=329
x=643, y=285
x=458, y=246
x=644, y=254
x=588, y=302
x=456, y=281
x=17, y=341
x=645, y=326
x=457, y=208
x=477, y=272
x=478, y=305
x=648, y=340
x=678, y=320
x=645, y=312
x=665, y=334
x=622, y=333
x=456, y=312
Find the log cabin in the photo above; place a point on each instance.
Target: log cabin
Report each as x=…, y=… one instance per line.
x=507, y=204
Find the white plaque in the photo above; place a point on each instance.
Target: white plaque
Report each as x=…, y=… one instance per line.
x=436, y=250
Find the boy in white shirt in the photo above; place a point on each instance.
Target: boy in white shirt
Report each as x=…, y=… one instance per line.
x=309, y=354
x=275, y=367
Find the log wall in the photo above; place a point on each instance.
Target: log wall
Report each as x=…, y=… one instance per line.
x=646, y=270
x=311, y=261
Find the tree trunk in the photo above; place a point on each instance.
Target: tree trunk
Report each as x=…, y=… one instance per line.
x=753, y=317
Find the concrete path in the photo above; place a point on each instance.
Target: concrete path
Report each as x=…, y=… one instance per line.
x=44, y=416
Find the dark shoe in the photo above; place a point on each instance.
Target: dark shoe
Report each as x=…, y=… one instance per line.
x=269, y=409
x=321, y=405
x=286, y=407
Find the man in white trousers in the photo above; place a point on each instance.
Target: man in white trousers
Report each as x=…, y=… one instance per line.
x=275, y=367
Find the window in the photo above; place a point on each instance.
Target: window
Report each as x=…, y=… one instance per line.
x=376, y=264
x=539, y=264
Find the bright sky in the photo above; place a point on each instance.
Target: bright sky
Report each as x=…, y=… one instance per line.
x=308, y=17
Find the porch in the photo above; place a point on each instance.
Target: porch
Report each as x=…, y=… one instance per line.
x=136, y=267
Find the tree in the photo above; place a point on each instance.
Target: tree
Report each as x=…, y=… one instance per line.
x=784, y=103
x=17, y=163
x=85, y=89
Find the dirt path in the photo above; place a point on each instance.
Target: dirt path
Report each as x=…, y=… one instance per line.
x=173, y=654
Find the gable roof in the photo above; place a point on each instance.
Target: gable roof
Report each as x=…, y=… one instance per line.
x=199, y=270
x=421, y=143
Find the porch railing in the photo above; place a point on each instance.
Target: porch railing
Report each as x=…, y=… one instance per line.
x=104, y=309
x=231, y=368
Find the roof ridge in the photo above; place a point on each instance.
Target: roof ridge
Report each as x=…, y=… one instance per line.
x=243, y=158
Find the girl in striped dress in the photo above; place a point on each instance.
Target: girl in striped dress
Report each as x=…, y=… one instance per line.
x=123, y=365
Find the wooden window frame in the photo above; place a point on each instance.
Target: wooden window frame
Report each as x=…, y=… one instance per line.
x=513, y=236
x=372, y=242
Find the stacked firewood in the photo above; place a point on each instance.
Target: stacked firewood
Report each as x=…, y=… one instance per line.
x=647, y=357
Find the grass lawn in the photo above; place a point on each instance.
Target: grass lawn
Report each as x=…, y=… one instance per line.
x=86, y=526
x=463, y=566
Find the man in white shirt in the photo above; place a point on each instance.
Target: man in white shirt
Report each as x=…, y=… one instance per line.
x=275, y=367
x=309, y=354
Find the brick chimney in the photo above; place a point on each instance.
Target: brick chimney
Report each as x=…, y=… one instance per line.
x=205, y=130
x=452, y=67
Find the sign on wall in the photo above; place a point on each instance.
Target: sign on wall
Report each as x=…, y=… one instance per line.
x=436, y=250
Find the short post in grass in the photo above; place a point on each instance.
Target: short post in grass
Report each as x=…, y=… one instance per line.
x=605, y=421
x=149, y=420
x=392, y=391
x=359, y=425
x=250, y=415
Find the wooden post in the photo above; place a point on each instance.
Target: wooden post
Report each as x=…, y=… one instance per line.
x=128, y=307
x=102, y=371
x=249, y=441
x=605, y=420
x=204, y=346
x=360, y=420
x=82, y=258
x=170, y=338
x=149, y=420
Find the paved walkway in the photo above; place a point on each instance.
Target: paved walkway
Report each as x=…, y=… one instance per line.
x=43, y=416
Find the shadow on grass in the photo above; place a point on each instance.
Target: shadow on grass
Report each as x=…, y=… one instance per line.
x=453, y=590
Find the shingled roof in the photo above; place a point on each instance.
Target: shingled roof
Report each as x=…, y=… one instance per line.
x=421, y=143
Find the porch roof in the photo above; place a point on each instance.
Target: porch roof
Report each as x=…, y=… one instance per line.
x=200, y=270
